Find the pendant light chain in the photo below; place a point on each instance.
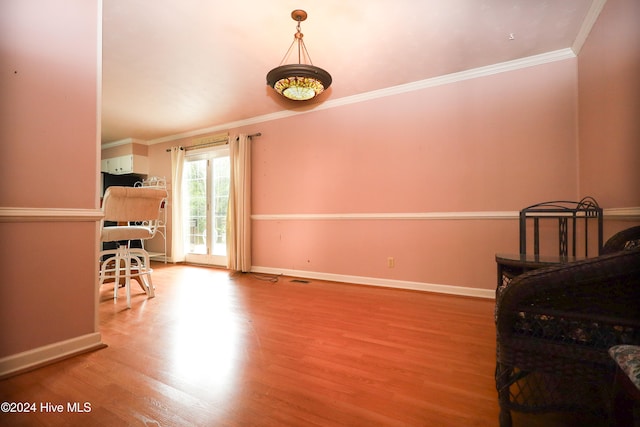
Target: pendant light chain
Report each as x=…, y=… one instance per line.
x=298, y=36
x=303, y=53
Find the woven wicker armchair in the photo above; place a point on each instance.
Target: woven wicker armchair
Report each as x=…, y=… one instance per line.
x=554, y=327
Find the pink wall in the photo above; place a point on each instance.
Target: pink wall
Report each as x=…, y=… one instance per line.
x=609, y=83
x=136, y=148
x=48, y=160
x=49, y=79
x=48, y=291
x=496, y=143
x=493, y=143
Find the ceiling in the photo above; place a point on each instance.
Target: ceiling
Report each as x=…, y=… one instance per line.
x=175, y=67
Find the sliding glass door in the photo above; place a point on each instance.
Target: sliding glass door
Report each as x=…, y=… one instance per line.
x=206, y=196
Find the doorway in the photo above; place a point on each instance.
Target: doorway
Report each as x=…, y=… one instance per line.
x=206, y=198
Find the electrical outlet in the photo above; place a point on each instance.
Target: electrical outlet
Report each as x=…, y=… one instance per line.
x=391, y=262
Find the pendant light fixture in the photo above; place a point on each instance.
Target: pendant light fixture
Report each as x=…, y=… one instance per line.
x=300, y=81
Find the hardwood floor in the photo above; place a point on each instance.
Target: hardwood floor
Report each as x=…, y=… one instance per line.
x=216, y=349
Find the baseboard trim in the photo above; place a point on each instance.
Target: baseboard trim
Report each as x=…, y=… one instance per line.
x=45, y=355
x=386, y=283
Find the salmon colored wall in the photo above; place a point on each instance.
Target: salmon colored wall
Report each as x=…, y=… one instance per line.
x=49, y=79
x=48, y=283
x=137, y=148
x=496, y=143
x=48, y=160
x=609, y=84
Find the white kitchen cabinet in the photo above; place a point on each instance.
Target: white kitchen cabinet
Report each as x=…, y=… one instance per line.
x=131, y=163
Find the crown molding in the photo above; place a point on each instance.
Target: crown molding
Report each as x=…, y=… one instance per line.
x=503, y=67
x=587, y=25
x=117, y=143
x=125, y=141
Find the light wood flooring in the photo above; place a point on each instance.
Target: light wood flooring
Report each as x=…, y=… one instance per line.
x=220, y=349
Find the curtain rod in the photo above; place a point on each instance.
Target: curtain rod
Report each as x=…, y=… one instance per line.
x=212, y=143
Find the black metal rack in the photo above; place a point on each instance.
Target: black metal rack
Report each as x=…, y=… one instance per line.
x=568, y=214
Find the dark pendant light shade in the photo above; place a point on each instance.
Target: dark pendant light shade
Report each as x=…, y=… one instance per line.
x=299, y=82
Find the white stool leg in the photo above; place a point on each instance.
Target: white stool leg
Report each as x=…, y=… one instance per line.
x=127, y=282
x=147, y=276
x=103, y=269
x=143, y=271
x=150, y=291
x=117, y=269
x=108, y=269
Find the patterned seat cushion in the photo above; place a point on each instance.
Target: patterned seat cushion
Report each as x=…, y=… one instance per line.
x=628, y=359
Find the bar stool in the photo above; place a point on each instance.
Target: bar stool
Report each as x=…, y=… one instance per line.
x=138, y=209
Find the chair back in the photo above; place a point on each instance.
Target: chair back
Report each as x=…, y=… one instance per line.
x=625, y=239
x=132, y=204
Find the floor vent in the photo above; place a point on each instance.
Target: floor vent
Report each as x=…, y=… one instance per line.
x=299, y=281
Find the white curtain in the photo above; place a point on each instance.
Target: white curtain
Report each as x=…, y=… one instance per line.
x=177, y=223
x=239, y=210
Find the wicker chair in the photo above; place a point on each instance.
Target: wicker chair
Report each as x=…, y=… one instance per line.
x=554, y=327
x=625, y=239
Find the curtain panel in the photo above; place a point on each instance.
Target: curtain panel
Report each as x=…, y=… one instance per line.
x=239, y=209
x=177, y=222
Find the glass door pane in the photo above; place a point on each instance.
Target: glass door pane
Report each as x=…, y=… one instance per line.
x=220, y=198
x=195, y=176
